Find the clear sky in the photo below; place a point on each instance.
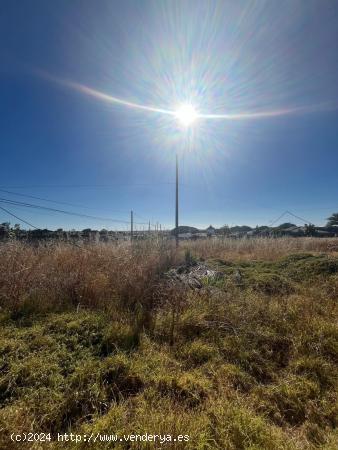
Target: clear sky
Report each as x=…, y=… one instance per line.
x=270, y=68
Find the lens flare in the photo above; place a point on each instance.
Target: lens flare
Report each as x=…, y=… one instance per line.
x=211, y=79
x=186, y=115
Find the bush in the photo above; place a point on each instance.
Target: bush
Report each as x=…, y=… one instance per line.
x=270, y=283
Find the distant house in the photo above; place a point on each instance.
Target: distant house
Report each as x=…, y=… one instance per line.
x=322, y=233
x=326, y=231
x=294, y=231
x=252, y=233
x=288, y=229
x=185, y=235
x=200, y=235
x=211, y=231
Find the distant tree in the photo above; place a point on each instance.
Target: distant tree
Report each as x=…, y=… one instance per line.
x=16, y=230
x=104, y=235
x=86, y=233
x=240, y=228
x=184, y=229
x=310, y=229
x=225, y=230
x=285, y=225
x=262, y=228
x=4, y=230
x=332, y=221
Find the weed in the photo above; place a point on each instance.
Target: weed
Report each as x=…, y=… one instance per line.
x=101, y=341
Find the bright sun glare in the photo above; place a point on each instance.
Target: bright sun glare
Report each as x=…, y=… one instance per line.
x=186, y=115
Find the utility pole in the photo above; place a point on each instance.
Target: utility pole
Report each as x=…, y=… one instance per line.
x=176, y=205
x=131, y=225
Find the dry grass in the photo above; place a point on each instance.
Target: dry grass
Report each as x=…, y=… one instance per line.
x=267, y=249
x=61, y=275
x=94, y=339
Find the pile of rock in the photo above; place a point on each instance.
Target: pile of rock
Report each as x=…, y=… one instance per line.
x=192, y=276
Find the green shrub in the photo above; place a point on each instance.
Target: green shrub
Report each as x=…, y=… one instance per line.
x=270, y=283
x=307, y=267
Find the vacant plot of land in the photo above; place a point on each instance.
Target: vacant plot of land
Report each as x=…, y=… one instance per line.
x=112, y=340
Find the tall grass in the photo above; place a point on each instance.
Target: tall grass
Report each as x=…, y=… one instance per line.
x=98, y=339
x=260, y=248
x=60, y=275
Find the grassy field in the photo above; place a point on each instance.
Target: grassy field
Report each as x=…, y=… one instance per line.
x=100, y=339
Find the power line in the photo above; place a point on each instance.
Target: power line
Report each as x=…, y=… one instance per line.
x=276, y=220
x=143, y=218
x=300, y=218
x=29, y=205
x=271, y=223
x=53, y=201
x=19, y=218
x=40, y=198
x=33, y=186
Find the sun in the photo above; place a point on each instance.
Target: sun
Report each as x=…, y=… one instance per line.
x=186, y=115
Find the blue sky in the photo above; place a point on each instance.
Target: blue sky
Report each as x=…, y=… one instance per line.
x=104, y=159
